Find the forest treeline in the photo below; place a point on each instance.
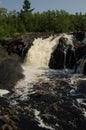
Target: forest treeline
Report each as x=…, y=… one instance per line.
x=48, y=21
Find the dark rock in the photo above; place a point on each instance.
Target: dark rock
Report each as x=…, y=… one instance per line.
x=10, y=73
x=79, y=35
x=6, y=127
x=9, y=124
x=81, y=87
x=57, y=57
x=70, y=58
x=28, y=124
x=3, y=53
x=21, y=44
x=80, y=51
x=84, y=67
x=80, y=66
x=63, y=55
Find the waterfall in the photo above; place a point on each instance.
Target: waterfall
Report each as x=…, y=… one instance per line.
x=40, y=53
x=36, y=63
x=37, y=96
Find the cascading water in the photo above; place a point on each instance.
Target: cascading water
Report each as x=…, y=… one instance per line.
x=43, y=90
x=36, y=64
x=40, y=52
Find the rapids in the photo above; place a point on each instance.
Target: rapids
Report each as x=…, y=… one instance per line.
x=46, y=96
x=35, y=66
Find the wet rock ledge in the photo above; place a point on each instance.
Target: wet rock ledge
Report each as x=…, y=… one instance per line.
x=20, y=44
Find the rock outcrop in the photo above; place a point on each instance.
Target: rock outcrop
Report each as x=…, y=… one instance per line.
x=63, y=56
x=10, y=73
x=70, y=56
x=21, y=44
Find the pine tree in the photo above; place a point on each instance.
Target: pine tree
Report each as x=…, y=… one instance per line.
x=27, y=6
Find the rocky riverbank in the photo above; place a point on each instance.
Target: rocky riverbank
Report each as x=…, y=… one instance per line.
x=54, y=104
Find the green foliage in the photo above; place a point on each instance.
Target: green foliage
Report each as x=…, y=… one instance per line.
x=48, y=21
x=3, y=12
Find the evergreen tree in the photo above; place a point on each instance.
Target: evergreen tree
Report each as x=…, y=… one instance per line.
x=27, y=6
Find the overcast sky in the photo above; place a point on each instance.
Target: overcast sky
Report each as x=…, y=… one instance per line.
x=71, y=6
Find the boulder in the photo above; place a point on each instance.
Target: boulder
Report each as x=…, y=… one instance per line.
x=57, y=59
x=80, y=51
x=80, y=35
x=81, y=87
x=63, y=55
x=10, y=73
x=70, y=58
x=80, y=66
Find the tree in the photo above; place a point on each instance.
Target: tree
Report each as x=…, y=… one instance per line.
x=3, y=12
x=27, y=6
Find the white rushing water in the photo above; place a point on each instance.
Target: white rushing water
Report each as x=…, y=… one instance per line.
x=41, y=123
x=36, y=68
x=40, y=53
x=3, y=92
x=36, y=63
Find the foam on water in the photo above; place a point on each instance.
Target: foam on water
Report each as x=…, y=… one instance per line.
x=36, y=64
x=3, y=92
x=40, y=52
x=41, y=123
x=36, y=68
